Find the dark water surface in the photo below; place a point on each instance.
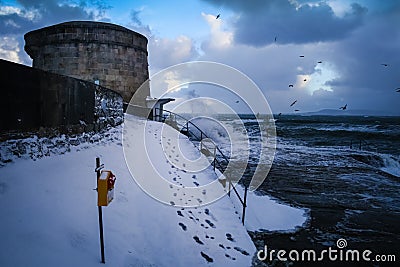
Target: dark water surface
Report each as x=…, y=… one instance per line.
x=344, y=169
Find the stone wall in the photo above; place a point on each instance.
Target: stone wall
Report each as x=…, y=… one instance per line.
x=33, y=99
x=114, y=56
x=108, y=108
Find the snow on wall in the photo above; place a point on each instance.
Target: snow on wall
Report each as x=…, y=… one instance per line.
x=108, y=108
x=35, y=147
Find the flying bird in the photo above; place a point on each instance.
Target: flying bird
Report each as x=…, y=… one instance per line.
x=319, y=62
x=296, y=110
x=344, y=107
x=305, y=80
x=301, y=56
x=294, y=102
x=384, y=64
x=398, y=90
x=217, y=17
x=237, y=101
x=275, y=39
x=290, y=85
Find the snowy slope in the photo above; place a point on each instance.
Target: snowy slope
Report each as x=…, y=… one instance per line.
x=49, y=218
x=49, y=213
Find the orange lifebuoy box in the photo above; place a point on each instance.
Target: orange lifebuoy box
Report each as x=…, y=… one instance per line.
x=105, y=188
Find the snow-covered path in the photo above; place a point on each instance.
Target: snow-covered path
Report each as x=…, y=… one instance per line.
x=49, y=216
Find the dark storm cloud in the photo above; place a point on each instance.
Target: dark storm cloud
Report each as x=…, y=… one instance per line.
x=261, y=21
x=355, y=44
x=364, y=79
x=36, y=14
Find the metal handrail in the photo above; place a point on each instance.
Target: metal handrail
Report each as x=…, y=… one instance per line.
x=221, y=167
x=187, y=128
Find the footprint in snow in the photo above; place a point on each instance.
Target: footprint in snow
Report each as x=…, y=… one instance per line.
x=194, y=176
x=229, y=257
x=244, y=252
x=229, y=237
x=180, y=213
x=197, y=239
x=205, y=256
x=196, y=184
x=210, y=223
x=184, y=228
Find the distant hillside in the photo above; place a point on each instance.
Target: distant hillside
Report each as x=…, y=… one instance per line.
x=355, y=112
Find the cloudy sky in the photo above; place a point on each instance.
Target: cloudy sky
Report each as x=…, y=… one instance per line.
x=345, y=43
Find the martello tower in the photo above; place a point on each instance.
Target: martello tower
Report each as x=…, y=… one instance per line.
x=110, y=55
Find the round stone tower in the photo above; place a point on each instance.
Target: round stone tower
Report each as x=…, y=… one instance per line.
x=107, y=54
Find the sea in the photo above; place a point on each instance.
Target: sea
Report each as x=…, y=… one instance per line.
x=344, y=169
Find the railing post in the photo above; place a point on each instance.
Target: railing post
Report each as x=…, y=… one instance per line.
x=244, y=204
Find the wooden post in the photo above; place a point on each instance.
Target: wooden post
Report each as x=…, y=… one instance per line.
x=229, y=186
x=98, y=169
x=244, y=204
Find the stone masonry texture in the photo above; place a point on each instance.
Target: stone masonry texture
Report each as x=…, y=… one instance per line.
x=114, y=56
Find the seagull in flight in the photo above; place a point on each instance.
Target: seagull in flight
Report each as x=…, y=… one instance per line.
x=319, y=62
x=296, y=110
x=344, y=107
x=294, y=102
x=217, y=17
x=384, y=64
x=301, y=56
x=290, y=85
x=398, y=90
